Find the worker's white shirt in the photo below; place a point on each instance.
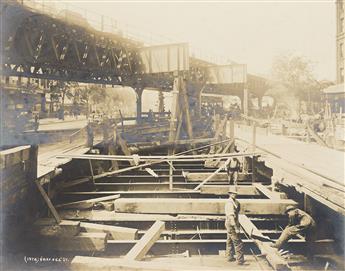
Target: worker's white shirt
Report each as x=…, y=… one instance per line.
x=230, y=208
x=231, y=214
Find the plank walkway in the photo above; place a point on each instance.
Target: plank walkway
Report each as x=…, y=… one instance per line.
x=327, y=162
x=312, y=169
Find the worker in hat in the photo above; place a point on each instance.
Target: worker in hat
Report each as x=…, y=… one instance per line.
x=299, y=223
x=233, y=168
x=234, y=243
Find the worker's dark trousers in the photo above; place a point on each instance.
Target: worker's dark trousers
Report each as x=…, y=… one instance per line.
x=234, y=245
x=232, y=177
x=292, y=231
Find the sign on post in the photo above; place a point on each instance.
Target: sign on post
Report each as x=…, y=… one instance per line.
x=165, y=58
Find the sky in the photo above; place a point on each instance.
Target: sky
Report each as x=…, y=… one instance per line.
x=248, y=32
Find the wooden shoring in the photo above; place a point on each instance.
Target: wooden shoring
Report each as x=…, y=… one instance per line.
x=152, y=163
x=146, y=242
x=183, y=92
x=48, y=202
x=213, y=174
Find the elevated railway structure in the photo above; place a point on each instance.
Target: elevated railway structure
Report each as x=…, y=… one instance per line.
x=37, y=45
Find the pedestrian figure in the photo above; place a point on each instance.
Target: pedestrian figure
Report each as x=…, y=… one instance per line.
x=234, y=243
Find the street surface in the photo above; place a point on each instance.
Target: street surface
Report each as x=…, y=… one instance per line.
x=69, y=123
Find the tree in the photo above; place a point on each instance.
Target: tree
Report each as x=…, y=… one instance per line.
x=293, y=77
x=62, y=89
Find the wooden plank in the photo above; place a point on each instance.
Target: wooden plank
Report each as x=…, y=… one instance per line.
x=272, y=255
x=161, y=158
x=223, y=189
x=268, y=193
x=220, y=176
x=115, y=232
x=86, y=204
x=308, y=183
x=215, y=163
x=146, y=242
x=75, y=182
x=48, y=202
x=213, y=174
x=199, y=206
x=83, y=263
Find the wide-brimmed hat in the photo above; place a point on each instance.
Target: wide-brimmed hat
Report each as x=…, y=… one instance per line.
x=232, y=191
x=289, y=208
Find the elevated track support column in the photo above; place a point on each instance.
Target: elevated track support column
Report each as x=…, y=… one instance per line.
x=139, y=92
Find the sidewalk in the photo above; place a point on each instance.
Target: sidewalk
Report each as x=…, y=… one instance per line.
x=70, y=123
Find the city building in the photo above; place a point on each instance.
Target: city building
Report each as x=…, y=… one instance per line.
x=340, y=41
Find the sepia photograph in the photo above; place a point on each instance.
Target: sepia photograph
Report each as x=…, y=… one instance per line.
x=172, y=135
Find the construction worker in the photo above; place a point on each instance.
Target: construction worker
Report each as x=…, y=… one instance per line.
x=234, y=243
x=233, y=168
x=299, y=223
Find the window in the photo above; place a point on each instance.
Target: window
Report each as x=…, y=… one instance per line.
x=341, y=75
x=341, y=50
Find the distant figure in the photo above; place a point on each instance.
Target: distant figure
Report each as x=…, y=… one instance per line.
x=234, y=243
x=37, y=118
x=150, y=116
x=61, y=113
x=299, y=223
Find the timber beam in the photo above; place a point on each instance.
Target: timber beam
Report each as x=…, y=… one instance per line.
x=114, y=232
x=268, y=193
x=209, y=192
x=272, y=254
x=87, y=204
x=146, y=242
x=199, y=206
x=221, y=176
x=83, y=263
x=223, y=190
x=194, y=246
